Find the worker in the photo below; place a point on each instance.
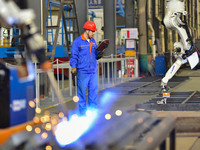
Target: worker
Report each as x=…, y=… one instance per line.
x=83, y=63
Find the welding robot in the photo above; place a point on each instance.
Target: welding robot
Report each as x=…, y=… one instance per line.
x=17, y=84
x=184, y=51
x=18, y=81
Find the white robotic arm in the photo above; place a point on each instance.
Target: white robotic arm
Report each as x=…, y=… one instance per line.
x=11, y=14
x=175, y=20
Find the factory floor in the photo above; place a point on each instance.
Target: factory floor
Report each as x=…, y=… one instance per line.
x=186, y=141
x=124, y=101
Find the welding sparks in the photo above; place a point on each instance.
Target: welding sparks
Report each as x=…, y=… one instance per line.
x=31, y=104
x=29, y=128
x=108, y=116
x=67, y=132
x=75, y=99
x=118, y=112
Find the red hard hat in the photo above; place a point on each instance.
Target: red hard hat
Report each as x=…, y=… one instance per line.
x=90, y=25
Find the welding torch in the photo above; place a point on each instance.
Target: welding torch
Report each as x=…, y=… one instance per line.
x=11, y=14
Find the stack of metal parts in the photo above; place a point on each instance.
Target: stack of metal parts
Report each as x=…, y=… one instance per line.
x=179, y=101
x=132, y=131
x=136, y=131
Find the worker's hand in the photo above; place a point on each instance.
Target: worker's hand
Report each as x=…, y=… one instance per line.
x=73, y=71
x=100, y=54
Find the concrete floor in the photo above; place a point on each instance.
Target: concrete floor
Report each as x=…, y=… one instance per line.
x=126, y=102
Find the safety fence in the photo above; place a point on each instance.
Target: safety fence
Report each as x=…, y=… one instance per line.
x=112, y=70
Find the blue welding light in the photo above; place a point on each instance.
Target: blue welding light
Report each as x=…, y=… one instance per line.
x=67, y=132
x=107, y=99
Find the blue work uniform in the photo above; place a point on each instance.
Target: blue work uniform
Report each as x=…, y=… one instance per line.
x=84, y=58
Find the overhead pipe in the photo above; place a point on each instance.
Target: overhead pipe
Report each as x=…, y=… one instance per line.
x=161, y=27
x=152, y=39
x=162, y=34
x=176, y=36
x=150, y=11
x=198, y=24
x=190, y=13
x=193, y=20
x=157, y=11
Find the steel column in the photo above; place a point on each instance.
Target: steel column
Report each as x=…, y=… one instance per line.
x=82, y=13
x=109, y=7
x=143, y=36
x=36, y=6
x=129, y=14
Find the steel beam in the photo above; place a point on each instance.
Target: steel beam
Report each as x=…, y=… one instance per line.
x=169, y=107
x=157, y=135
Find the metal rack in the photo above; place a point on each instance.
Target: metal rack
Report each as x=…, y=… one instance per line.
x=68, y=16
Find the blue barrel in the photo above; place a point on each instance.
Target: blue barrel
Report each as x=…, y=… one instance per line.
x=160, y=65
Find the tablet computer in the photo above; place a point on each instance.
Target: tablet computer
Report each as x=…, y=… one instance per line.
x=103, y=45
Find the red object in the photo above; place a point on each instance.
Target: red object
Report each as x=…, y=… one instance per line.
x=62, y=59
x=128, y=34
x=90, y=25
x=131, y=62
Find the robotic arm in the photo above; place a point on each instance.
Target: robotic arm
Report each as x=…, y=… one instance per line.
x=175, y=20
x=11, y=14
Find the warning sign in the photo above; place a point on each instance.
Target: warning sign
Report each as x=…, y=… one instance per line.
x=129, y=33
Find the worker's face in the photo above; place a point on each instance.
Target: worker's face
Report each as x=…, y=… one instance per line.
x=90, y=33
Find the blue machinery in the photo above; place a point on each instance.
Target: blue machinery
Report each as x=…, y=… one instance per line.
x=15, y=97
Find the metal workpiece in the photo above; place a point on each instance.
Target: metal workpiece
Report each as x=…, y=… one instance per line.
x=102, y=127
x=36, y=141
x=116, y=133
x=133, y=136
x=158, y=135
x=123, y=125
x=27, y=141
x=179, y=101
x=144, y=86
x=168, y=107
x=16, y=141
x=119, y=132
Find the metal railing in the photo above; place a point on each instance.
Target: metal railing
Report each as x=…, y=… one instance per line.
x=112, y=70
